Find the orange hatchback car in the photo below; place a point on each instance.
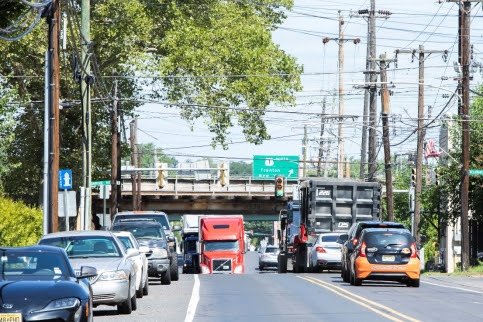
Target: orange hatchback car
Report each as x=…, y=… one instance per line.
x=385, y=254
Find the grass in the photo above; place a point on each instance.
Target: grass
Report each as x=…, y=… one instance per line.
x=474, y=270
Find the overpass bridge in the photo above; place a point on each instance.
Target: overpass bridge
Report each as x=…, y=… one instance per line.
x=254, y=199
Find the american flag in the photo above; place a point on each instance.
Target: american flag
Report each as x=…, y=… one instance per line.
x=430, y=150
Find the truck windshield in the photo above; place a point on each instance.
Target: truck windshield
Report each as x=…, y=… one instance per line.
x=211, y=246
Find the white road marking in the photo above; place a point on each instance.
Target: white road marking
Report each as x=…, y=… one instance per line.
x=195, y=297
x=457, y=288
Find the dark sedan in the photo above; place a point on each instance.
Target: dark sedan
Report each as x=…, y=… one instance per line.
x=37, y=283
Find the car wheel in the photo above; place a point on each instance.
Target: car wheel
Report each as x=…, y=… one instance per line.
x=414, y=282
x=166, y=278
x=347, y=276
x=174, y=268
x=146, y=287
x=134, y=302
x=351, y=278
x=354, y=280
x=260, y=268
x=139, y=292
x=126, y=306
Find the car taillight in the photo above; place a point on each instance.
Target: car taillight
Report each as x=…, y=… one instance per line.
x=414, y=250
x=362, y=250
x=320, y=249
x=355, y=241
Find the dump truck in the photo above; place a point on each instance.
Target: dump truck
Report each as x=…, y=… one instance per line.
x=322, y=205
x=222, y=244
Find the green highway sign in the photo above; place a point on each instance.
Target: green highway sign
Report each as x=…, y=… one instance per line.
x=100, y=183
x=474, y=172
x=269, y=166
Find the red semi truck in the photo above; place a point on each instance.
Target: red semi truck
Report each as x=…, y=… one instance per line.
x=222, y=244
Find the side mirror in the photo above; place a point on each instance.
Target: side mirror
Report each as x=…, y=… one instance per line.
x=176, y=228
x=132, y=252
x=144, y=249
x=342, y=238
x=170, y=238
x=87, y=271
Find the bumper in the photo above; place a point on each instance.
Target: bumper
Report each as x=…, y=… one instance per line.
x=268, y=263
x=329, y=260
x=366, y=270
x=157, y=267
x=110, y=292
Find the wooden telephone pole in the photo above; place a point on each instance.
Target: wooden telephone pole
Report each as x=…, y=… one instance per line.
x=421, y=134
x=54, y=126
x=341, y=40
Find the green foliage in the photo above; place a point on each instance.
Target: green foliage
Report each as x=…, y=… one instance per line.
x=241, y=169
x=20, y=225
x=7, y=110
x=206, y=58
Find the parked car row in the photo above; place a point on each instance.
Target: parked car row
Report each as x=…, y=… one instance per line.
x=96, y=267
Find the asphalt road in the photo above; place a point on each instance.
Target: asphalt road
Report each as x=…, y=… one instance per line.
x=269, y=296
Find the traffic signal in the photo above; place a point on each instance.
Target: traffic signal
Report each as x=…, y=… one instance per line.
x=279, y=187
x=437, y=180
x=413, y=177
x=223, y=175
x=162, y=178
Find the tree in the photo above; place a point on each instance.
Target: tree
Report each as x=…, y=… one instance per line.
x=212, y=59
x=7, y=110
x=241, y=169
x=20, y=225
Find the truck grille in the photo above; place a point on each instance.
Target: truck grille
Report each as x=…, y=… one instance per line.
x=221, y=266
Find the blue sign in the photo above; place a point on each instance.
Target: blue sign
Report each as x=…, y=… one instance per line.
x=65, y=179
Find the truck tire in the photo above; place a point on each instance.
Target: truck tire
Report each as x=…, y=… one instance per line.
x=301, y=259
x=282, y=263
x=173, y=267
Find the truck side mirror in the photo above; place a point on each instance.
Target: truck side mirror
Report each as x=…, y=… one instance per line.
x=342, y=238
x=283, y=223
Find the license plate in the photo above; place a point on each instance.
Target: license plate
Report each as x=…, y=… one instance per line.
x=388, y=258
x=10, y=317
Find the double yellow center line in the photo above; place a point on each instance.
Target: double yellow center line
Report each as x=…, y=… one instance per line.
x=380, y=309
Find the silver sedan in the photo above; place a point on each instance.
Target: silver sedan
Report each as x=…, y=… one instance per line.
x=325, y=253
x=115, y=283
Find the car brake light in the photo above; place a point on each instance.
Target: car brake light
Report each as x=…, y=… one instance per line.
x=355, y=241
x=362, y=251
x=414, y=251
x=320, y=249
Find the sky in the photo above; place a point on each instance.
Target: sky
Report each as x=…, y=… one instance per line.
x=412, y=23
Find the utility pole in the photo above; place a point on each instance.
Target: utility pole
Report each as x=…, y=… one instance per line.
x=464, y=112
x=321, y=140
x=54, y=35
x=385, y=136
x=421, y=133
x=305, y=151
x=86, y=81
x=115, y=166
x=133, y=130
x=370, y=97
x=341, y=40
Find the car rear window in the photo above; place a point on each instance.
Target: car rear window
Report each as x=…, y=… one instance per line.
x=330, y=238
x=271, y=250
x=385, y=239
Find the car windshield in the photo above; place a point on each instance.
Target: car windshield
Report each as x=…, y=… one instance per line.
x=126, y=241
x=32, y=265
x=159, y=218
x=271, y=250
x=211, y=246
x=142, y=232
x=85, y=246
x=388, y=239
